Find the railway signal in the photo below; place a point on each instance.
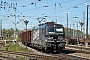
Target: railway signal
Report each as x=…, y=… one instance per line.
x=81, y=24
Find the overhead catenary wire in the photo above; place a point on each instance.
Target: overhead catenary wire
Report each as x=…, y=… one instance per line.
x=69, y=7
x=42, y=7
x=37, y=7
x=47, y=5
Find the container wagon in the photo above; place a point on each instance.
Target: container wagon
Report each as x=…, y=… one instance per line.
x=26, y=37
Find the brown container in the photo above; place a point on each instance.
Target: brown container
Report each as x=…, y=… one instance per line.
x=26, y=37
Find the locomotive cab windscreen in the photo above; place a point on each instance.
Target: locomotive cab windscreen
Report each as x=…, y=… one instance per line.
x=55, y=29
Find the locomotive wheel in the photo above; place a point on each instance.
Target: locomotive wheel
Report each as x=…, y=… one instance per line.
x=46, y=50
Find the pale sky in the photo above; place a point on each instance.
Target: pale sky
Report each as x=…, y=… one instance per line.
x=33, y=9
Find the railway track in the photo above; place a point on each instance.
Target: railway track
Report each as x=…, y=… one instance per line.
x=78, y=49
x=3, y=57
x=70, y=57
x=60, y=56
x=43, y=57
x=34, y=56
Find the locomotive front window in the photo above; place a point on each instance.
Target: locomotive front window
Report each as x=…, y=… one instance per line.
x=59, y=30
x=54, y=29
x=51, y=30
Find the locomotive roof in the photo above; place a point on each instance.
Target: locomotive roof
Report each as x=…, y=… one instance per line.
x=44, y=25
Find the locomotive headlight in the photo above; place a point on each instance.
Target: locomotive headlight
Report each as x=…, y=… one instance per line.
x=64, y=40
x=60, y=38
x=49, y=39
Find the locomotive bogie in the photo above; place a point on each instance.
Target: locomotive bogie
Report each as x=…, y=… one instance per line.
x=51, y=47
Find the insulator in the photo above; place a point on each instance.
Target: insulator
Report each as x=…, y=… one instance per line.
x=39, y=0
x=35, y=4
x=4, y=7
x=11, y=4
x=15, y=8
x=23, y=16
x=16, y=4
x=32, y=3
x=45, y=6
x=9, y=7
x=1, y=7
x=60, y=5
x=14, y=15
x=18, y=15
x=55, y=5
x=4, y=2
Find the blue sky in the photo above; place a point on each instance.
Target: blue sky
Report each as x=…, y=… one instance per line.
x=55, y=10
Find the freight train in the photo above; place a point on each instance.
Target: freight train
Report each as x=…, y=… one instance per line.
x=48, y=37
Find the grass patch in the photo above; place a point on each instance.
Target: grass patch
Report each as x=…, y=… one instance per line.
x=15, y=47
x=10, y=38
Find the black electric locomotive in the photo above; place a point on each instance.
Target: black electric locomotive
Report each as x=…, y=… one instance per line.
x=49, y=37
